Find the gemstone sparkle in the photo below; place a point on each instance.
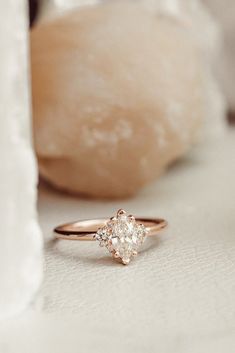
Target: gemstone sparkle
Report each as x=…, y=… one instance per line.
x=122, y=236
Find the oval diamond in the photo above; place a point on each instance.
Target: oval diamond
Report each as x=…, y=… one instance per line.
x=122, y=236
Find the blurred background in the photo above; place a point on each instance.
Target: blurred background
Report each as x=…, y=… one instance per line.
x=99, y=75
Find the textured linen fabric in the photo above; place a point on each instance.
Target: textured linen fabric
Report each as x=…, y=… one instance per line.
x=176, y=296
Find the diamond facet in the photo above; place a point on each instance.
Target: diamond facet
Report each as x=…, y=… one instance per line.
x=122, y=236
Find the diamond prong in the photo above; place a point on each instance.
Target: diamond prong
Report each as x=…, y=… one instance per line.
x=116, y=255
x=121, y=212
x=131, y=218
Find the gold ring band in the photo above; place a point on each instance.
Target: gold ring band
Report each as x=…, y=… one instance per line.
x=87, y=229
x=121, y=235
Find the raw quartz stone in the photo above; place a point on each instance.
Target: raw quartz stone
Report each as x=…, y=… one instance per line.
x=118, y=94
x=20, y=237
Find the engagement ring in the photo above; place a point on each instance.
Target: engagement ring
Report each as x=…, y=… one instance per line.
x=121, y=235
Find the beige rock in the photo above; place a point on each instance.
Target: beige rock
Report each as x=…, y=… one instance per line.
x=118, y=94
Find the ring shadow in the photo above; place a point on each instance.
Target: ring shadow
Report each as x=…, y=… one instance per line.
x=150, y=245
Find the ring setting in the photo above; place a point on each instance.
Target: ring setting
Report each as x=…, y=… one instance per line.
x=122, y=236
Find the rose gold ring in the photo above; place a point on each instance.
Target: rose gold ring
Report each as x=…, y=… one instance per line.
x=121, y=235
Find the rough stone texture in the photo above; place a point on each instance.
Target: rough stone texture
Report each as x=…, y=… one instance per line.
x=118, y=94
x=20, y=238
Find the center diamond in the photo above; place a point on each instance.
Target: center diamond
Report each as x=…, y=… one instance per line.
x=122, y=236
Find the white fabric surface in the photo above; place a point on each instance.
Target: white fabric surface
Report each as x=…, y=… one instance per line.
x=176, y=296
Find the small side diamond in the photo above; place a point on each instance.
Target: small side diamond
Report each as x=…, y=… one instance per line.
x=102, y=236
